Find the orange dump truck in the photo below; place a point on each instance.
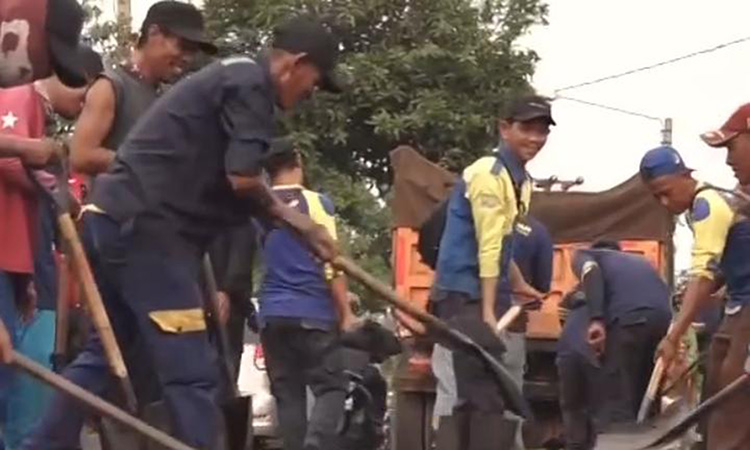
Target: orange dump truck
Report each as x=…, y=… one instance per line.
x=626, y=213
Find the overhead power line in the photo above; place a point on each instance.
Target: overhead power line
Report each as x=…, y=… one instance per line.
x=607, y=107
x=653, y=66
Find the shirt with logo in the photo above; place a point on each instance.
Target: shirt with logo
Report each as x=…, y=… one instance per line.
x=482, y=212
x=295, y=284
x=721, y=244
x=21, y=114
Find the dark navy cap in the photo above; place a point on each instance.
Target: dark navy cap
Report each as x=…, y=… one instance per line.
x=661, y=161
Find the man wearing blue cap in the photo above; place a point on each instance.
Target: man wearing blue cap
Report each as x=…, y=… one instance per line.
x=720, y=253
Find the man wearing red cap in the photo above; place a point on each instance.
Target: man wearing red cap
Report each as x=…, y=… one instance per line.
x=720, y=254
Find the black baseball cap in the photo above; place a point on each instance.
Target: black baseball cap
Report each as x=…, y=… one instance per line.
x=181, y=19
x=530, y=107
x=306, y=34
x=64, y=24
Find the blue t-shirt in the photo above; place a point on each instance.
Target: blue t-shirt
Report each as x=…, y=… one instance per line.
x=295, y=284
x=532, y=253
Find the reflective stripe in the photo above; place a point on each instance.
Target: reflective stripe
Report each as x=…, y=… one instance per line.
x=179, y=320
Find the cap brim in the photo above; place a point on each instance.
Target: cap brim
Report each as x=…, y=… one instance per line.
x=718, y=138
x=67, y=63
x=196, y=36
x=332, y=82
x=533, y=116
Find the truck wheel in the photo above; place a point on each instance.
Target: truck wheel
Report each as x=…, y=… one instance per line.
x=412, y=424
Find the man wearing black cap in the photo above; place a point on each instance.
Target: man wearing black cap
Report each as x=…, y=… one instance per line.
x=486, y=205
x=170, y=36
x=39, y=38
x=188, y=169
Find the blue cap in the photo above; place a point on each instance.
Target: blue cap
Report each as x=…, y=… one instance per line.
x=662, y=161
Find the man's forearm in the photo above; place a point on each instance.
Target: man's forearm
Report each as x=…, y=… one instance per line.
x=518, y=283
x=489, y=297
x=340, y=294
x=17, y=147
x=93, y=162
x=697, y=294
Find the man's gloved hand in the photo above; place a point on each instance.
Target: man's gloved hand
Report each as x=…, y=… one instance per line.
x=6, y=346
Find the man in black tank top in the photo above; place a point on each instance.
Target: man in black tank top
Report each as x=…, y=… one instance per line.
x=170, y=36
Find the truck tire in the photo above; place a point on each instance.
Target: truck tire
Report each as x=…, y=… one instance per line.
x=412, y=424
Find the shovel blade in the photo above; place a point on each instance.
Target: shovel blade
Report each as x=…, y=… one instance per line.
x=637, y=436
x=238, y=420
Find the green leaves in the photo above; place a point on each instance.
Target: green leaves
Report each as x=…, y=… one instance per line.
x=432, y=74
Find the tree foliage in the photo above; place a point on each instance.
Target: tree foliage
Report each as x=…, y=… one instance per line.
x=432, y=74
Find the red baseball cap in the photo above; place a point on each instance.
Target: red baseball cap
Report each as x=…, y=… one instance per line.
x=738, y=123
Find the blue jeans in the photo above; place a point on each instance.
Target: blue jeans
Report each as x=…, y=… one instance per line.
x=9, y=316
x=138, y=275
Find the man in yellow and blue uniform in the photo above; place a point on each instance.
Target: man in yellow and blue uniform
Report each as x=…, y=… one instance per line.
x=720, y=255
x=475, y=254
x=303, y=305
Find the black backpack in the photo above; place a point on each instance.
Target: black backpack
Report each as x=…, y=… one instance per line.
x=430, y=234
x=431, y=231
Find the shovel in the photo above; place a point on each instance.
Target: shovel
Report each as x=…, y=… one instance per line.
x=511, y=393
x=97, y=404
x=237, y=409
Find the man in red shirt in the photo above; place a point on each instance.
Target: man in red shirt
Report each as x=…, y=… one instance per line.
x=23, y=117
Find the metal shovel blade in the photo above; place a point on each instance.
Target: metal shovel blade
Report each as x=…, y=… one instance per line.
x=636, y=436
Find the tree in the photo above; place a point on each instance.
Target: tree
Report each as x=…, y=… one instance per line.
x=432, y=74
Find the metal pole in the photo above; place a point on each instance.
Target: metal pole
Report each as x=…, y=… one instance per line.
x=666, y=132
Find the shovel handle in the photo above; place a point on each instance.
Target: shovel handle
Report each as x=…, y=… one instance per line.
x=508, y=318
x=97, y=404
x=96, y=307
x=651, y=390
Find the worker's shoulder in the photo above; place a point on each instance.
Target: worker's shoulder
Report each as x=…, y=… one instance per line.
x=709, y=201
x=320, y=198
x=486, y=167
x=242, y=69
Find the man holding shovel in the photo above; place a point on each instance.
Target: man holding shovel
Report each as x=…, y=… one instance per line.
x=475, y=253
x=720, y=250
x=189, y=168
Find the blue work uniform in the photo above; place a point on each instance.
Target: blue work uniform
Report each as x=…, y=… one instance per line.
x=299, y=328
x=720, y=250
x=579, y=372
x=625, y=292
x=482, y=212
x=151, y=218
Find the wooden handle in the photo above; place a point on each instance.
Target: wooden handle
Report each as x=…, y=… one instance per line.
x=651, y=390
x=508, y=318
x=97, y=404
x=96, y=307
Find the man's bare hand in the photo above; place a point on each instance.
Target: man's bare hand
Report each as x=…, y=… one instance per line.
x=6, y=347
x=667, y=350
x=222, y=309
x=597, y=337
x=324, y=246
x=43, y=153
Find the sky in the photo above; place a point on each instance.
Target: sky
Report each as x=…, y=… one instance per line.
x=589, y=39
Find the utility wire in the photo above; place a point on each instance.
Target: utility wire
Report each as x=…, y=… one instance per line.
x=653, y=66
x=607, y=107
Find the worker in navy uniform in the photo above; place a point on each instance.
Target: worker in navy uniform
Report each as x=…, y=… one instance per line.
x=487, y=202
x=532, y=253
x=578, y=370
x=629, y=312
x=303, y=306
x=719, y=257
x=191, y=167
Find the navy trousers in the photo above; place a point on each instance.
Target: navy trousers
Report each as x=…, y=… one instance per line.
x=140, y=273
